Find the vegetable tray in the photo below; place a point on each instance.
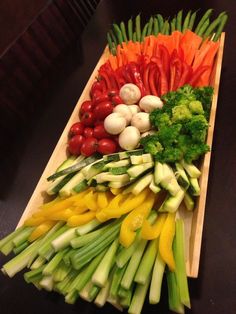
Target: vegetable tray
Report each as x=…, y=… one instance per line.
x=193, y=220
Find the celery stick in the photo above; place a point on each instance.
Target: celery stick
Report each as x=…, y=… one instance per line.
x=156, y=282
x=104, y=292
x=87, y=273
x=125, y=301
x=179, y=255
x=38, y=262
x=85, y=292
x=175, y=304
x=146, y=264
x=85, y=255
x=122, y=292
x=34, y=275
x=86, y=238
x=47, y=283
x=133, y=265
x=61, y=272
x=117, y=277
x=67, y=257
x=63, y=240
x=52, y=265
x=23, y=236
x=115, y=302
x=20, y=247
x=8, y=240
x=84, y=229
x=62, y=286
x=71, y=297
x=46, y=246
x=101, y=274
x=139, y=297
x=21, y=261
x=94, y=292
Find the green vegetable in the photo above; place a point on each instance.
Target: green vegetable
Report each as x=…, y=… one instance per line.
x=212, y=26
x=155, y=26
x=130, y=29
x=118, y=33
x=186, y=21
x=203, y=19
x=220, y=27
x=192, y=20
x=179, y=21
x=144, y=32
x=123, y=31
x=203, y=27
x=138, y=27
x=150, y=25
x=160, y=21
x=173, y=24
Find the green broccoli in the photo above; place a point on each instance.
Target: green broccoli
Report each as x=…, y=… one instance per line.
x=181, y=113
x=184, y=141
x=195, y=107
x=159, y=118
x=169, y=135
x=194, y=151
x=169, y=154
x=151, y=144
x=197, y=128
x=204, y=95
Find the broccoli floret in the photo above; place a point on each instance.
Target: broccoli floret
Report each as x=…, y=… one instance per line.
x=159, y=118
x=151, y=144
x=169, y=135
x=204, y=95
x=184, y=141
x=196, y=107
x=170, y=154
x=181, y=113
x=194, y=151
x=197, y=127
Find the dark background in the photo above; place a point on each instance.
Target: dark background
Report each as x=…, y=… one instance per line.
x=26, y=153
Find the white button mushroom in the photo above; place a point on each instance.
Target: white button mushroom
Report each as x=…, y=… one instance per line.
x=141, y=121
x=130, y=93
x=150, y=102
x=129, y=138
x=124, y=111
x=134, y=109
x=114, y=123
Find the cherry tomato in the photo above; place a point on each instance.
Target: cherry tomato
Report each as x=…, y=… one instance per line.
x=87, y=106
x=112, y=92
x=102, y=110
x=76, y=129
x=106, y=146
x=75, y=143
x=116, y=100
x=88, y=119
x=89, y=146
x=101, y=98
x=100, y=132
x=88, y=132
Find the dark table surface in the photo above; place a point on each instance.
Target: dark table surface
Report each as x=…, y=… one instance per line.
x=214, y=291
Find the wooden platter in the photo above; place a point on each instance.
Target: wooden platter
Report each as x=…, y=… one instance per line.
x=193, y=220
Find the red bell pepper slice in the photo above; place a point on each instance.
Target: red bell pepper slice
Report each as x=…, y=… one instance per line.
x=163, y=87
x=136, y=77
x=197, y=74
x=152, y=79
x=146, y=78
x=165, y=57
x=186, y=74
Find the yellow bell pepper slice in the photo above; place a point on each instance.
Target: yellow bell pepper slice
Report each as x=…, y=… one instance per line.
x=78, y=220
x=150, y=232
x=115, y=191
x=134, y=221
x=105, y=213
x=62, y=215
x=102, y=200
x=41, y=230
x=90, y=200
x=49, y=204
x=34, y=221
x=166, y=240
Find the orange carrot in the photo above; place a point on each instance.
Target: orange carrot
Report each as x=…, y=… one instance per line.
x=190, y=42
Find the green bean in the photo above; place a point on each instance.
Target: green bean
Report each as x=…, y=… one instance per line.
x=212, y=27
x=150, y=25
x=134, y=37
x=173, y=24
x=155, y=26
x=203, y=19
x=179, y=21
x=113, y=37
x=118, y=33
x=144, y=32
x=192, y=20
x=110, y=43
x=203, y=27
x=138, y=27
x=160, y=21
x=186, y=21
x=163, y=30
x=130, y=29
x=123, y=31
x=220, y=27
x=167, y=29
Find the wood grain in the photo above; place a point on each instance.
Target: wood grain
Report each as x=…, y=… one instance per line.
x=193, y=220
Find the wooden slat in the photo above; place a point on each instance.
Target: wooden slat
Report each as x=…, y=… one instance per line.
x=193, y=220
